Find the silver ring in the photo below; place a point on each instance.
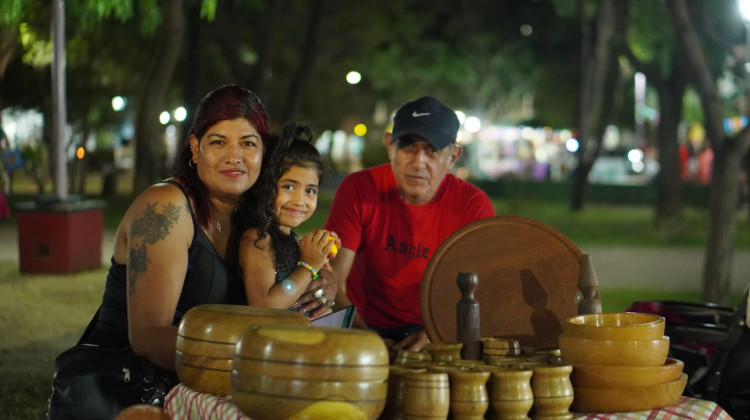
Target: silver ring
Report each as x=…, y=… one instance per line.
x=322, y=300
x=318, y=293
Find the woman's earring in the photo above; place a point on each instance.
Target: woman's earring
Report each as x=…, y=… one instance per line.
x=191, y=164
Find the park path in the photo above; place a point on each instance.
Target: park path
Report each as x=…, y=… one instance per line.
x=655, y=268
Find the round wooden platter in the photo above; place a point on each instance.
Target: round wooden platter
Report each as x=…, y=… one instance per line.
x=528, y=275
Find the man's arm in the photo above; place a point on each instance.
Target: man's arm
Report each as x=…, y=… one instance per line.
x=342, y=265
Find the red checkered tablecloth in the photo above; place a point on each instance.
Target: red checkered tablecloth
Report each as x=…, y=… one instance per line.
x=182, y=403
x=684, y=408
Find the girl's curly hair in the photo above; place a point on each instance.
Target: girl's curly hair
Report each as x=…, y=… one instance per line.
x=292, y=148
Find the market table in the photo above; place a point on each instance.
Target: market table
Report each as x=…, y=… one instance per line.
x=183, y=403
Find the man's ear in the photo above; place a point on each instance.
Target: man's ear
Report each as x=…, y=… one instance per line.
x=387, y=141
x=456, y=153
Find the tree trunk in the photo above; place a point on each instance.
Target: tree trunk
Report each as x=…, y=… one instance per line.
x=717, y=268
x=599, y=75
x=668, y=212
x=306, y=62
x=728, y=152
x=149, y=135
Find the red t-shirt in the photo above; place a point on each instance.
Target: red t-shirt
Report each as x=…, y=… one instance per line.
x=394, y=241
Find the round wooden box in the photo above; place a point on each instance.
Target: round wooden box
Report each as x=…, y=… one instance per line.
x=206, y=342
x=281, y=371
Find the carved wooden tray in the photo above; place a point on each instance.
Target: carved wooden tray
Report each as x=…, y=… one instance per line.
x=528, y=275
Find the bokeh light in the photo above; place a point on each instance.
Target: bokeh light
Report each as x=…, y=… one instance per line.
x=353, y=77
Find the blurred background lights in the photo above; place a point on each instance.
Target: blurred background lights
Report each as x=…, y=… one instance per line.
x=572, y=145
x=472, y=124
x=461, y=117
x=353, y=77
x=164, y=117
x=526, y=29
x=118, y=103
x=635, y=155
x=80, y=152
x=360, y=129
x=180, y=114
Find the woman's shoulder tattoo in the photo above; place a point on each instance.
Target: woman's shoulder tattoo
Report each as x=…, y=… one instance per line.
x=150, y=228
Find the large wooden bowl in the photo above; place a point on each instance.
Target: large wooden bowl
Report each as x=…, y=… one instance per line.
x=282, y=371
x=592, y=376
x=206, y=342
x=583, y=351
x=629, y=398
x=615, y=326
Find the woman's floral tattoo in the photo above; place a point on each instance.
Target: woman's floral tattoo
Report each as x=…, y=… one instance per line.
x=149, y=229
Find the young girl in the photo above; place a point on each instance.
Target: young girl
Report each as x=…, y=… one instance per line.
x=276, y=264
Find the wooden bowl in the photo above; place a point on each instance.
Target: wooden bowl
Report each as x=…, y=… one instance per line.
x=615, y=326
x=592, y=376
x=276, y=398
x=628, y=398
x=281, y=371
x=444, y=351
x=329, y=346
x=206, y=341
x=583, y=351
x=404, y=357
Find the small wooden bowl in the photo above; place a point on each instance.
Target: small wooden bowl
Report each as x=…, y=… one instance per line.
x=444, y=351
x=404, y=357
x=592, y=376
x=582, y=351
x=500, y=343
x=628, y=398
x=615, y=326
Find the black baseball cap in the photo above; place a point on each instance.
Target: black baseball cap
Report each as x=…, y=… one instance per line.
x=427, y=118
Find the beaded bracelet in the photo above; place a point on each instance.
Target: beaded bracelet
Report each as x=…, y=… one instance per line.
x=309, y=267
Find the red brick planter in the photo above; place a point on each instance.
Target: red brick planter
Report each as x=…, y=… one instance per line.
x=59, y=237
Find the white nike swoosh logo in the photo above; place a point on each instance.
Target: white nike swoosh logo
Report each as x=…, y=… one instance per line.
x=417, y=114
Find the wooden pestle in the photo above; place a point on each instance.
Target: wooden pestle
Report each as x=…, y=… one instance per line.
x=467, y=317
x=588, y=284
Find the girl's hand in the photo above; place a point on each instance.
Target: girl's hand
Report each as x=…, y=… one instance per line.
x=314, y=248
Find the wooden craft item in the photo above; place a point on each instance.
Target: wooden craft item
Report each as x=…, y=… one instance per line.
x=528, y=280
x=426, y=396
x=588, y=284
x=284, y=371
x=615, y=326
x=469, y=399
x=467, y=317
x=511, y=397
x=629, y=398
x=582, y=351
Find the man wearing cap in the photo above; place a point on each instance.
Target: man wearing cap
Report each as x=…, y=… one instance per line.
x=391, y=218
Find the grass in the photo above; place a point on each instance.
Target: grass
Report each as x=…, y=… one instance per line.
x=41, y=315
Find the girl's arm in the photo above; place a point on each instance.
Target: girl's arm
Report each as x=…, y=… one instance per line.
x=259, y=271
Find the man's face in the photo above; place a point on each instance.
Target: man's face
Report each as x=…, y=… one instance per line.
x=419, y=168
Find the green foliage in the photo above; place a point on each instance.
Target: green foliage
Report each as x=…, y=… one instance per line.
x=12, y=11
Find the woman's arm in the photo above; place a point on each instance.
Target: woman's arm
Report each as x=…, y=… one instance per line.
x=159, y=231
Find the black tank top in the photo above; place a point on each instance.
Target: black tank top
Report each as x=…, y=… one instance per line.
x=207, y=280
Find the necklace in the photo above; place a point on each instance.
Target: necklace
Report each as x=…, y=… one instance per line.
x=218, y=225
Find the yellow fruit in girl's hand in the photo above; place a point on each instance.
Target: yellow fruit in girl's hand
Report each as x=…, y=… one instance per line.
x=334, y=248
